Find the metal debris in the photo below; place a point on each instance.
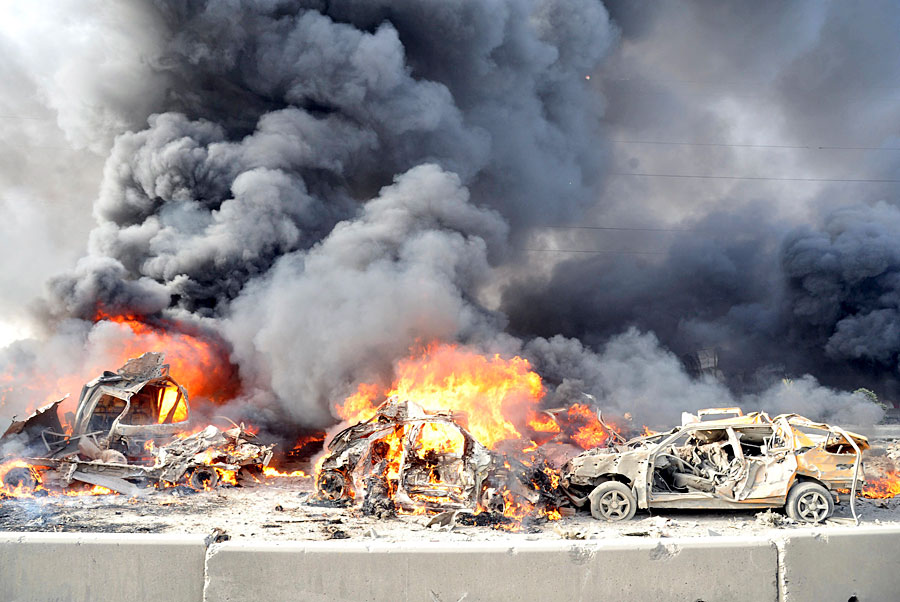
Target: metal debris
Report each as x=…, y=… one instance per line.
x=387, y=464
x=128, y=432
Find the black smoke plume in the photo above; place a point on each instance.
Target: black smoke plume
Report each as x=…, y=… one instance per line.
x=324, y=184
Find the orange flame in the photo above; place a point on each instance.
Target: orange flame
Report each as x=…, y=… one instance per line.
x=496, y=399
x=590, y=433
x=196, y=362
x=20, y=490
x=497, y=396
x=882, y=487
x=273, y=473
x=23, y=490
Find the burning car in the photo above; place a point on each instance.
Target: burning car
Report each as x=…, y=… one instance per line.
x=130, y=428
x=421, y=461
x=738, y=462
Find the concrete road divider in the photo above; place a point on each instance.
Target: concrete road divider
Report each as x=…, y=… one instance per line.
x=670, y=569
x=790, y=565
x=91, y=567
x=861, y=564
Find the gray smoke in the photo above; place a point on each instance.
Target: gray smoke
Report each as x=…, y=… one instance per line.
x=781, y=277
x=324, y=185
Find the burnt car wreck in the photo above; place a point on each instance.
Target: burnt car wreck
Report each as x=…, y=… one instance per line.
x=414, y=460
x=130, y=430
x=741, y=461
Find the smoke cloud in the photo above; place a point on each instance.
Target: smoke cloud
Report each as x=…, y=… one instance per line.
x=324, y=185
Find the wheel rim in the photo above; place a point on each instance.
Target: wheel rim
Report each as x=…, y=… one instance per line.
x=614, y=505
x=332, y=485
x=812, y=507
x=204, y=479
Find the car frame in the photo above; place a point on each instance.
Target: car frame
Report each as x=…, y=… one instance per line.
x=470, y=477
x=737, y=462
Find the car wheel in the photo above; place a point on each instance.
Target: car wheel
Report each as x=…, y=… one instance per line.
x=20, y=477
x=203, y=478
x=809, y=502
x=612, y=501
x=333, y=485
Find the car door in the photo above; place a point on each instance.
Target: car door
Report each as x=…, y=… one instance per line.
x=770, y=463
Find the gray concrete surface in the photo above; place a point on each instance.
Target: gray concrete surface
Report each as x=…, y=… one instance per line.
x=799, y=565
x=639, y=570
x=78, y=567
x=820, y=567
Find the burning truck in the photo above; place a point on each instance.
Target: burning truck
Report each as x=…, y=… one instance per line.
x=131, y=429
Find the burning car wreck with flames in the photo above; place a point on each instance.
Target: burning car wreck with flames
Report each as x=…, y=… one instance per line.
x=130, y=429
x=738, y=462
x=417, y=461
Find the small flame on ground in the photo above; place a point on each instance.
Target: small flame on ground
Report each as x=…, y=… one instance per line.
x=273, y=473
x=886, y=486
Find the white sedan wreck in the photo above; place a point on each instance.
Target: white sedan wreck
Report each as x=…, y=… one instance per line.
x=736, y=462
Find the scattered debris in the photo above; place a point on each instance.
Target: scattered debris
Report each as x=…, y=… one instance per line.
x=217, y=536
x=772, y=519
x=335, y=533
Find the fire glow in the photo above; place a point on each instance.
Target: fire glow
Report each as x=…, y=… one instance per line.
x=886, y=486
x=497, y=400
x=198, y=363
x=22, y=488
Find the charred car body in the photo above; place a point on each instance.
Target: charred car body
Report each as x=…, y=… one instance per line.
x=751, y=461
x=421, y=460
x=126, y=431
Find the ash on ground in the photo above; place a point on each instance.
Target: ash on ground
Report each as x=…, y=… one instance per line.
x=284, y=510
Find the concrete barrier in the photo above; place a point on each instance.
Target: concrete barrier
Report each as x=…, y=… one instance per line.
x=793, y=565
x=90, y=567
x=839, y=565
x=706, y=569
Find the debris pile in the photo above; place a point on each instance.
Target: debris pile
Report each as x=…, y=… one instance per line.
x=405, y=459
x=131, y=430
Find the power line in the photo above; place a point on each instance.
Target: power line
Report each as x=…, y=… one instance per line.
x=623, y=229
x=784, y=146
x=602, y=251
x=715, y=177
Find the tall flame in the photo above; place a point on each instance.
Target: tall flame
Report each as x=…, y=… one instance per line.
x=497, y=399
x=496, y=396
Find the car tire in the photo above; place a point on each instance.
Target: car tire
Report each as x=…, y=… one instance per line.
x=809, y=502
x=21, y=478
x=332, y=485
x=203, y=478
x=612, y=501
